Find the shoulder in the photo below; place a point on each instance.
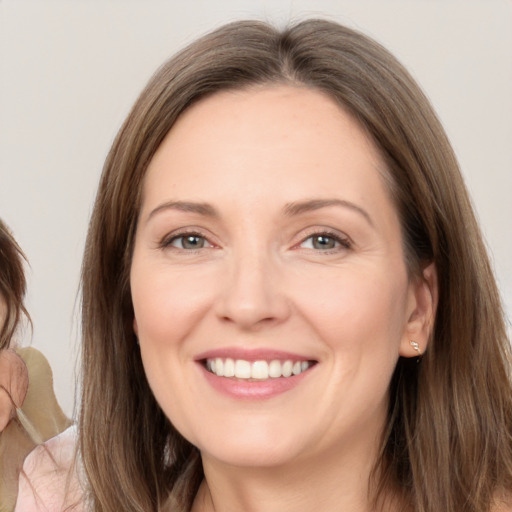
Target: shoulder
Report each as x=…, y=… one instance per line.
x=56, y=453
x=50, y=480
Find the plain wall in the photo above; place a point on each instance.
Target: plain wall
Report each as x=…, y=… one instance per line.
x=70, y=70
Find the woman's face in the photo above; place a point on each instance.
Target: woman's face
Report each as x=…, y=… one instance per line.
x=267, y=245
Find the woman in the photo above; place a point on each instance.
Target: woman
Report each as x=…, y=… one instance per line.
x=287, y=303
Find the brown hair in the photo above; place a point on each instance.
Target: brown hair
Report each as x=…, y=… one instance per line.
x=12, y=284
x=448, y=442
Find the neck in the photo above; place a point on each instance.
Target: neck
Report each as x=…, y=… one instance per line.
x=337, y=482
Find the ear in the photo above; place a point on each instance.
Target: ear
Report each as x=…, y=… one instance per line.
x=421, y=312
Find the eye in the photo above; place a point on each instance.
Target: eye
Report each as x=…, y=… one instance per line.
x=188, y=241
x=324, y=242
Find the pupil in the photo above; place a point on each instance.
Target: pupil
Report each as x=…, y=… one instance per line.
x=323, y=242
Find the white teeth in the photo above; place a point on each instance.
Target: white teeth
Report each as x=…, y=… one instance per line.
x=229, y=368
x=257, y=370
x=287, y=368
x=242, y=369
x=274, y=369
x=219, y=367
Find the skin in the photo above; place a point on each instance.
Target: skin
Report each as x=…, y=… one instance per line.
x=5, y=409
x=261, y=280
x=13, y=378
x=13, y=385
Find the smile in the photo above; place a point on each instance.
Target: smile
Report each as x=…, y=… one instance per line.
x=255, y=370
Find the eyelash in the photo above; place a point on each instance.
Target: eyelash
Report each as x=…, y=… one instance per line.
x=342, y=242
x=167, y=242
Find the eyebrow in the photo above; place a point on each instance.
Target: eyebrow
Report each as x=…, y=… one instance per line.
x=291, y=209
x=297, y=208
x=204, y=209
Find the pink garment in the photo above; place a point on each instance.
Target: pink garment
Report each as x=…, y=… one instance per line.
x=51, y=480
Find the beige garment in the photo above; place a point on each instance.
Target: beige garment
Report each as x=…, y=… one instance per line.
x=44, y=415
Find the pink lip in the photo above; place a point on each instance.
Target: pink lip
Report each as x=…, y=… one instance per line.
x=253, y=390
x=251, y=354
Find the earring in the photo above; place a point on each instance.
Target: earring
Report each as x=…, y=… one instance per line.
x=416, y=346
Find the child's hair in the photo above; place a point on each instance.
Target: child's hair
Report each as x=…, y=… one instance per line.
x=12, y=285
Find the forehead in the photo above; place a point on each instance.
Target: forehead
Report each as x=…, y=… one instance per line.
x=272, y=115
x=245, y=142
x=261, y=128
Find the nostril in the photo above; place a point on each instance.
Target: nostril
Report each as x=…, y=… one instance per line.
x=248, y=320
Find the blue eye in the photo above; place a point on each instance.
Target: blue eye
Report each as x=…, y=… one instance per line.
x=189, y=241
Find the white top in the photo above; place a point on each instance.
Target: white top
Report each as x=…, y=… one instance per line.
x=52, y=478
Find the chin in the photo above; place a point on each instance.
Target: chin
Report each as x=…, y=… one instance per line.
x=254, y=446
x=250, y=455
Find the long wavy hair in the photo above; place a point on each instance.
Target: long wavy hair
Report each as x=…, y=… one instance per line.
x=447, y=445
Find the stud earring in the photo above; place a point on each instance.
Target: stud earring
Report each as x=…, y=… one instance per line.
x=416, y=346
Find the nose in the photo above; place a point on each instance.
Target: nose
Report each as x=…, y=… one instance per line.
x=252, y=294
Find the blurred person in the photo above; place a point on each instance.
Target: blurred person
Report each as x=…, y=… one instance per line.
x=29, y=412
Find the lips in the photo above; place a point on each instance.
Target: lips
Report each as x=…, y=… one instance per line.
x=254, y=374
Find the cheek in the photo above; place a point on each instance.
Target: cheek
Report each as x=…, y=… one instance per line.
x=163, y=320
x=5, y=409
x=360, y=321
x=167, y=304
x=358, y=311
